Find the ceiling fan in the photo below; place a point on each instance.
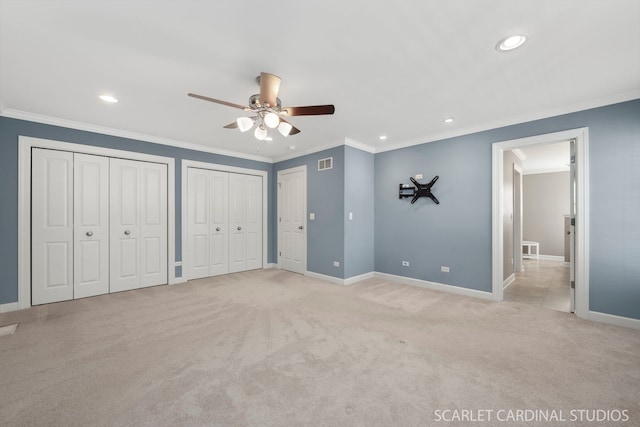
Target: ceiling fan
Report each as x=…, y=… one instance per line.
x=268, y=110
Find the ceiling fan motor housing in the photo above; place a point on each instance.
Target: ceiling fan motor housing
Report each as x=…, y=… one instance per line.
x=254, y=103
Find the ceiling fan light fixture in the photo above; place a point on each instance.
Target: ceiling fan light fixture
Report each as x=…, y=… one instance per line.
x=284, y=128
x=244, y=123
x=271, y=120
x=260, y=133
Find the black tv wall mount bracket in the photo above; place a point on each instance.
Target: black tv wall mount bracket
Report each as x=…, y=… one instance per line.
x=418, y=190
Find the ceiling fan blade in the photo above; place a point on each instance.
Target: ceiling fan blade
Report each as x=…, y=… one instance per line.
x=217, y=101
x=311, y=110
x=232, y=125
x=269, y=87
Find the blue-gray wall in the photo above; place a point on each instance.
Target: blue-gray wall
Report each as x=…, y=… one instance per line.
x=10, y=129
x=359, y=190
x=325, y=198
x=457, y=233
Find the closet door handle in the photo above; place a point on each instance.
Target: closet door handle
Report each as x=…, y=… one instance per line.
x=239, y=228
x=300, y=227
x=217, y=228
x=89, y=233
x=127, y=232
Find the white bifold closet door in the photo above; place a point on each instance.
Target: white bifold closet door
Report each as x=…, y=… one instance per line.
x=208, y=221
x=69, y=226
x=98, y=225
x=224, y=222
x=91, y=225
x=51, y=226
x=138, y=220
x=245, y=220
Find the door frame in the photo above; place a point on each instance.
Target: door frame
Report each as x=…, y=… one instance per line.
x=517, y=219
x=581, y=137
x=302, y=168
x=222, y=168
x=25, y=144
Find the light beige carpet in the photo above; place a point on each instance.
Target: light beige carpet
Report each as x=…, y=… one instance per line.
x=274, y=348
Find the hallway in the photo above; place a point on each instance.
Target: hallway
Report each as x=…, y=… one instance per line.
x=543, y=283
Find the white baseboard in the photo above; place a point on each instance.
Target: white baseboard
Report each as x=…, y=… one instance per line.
x=270, y=265
x=5, y=308
x=552, y=257
x=509, y=280
x=339, y=281
x=436, y=286
x=611, y=319
x=360, y=278
x=178, y=280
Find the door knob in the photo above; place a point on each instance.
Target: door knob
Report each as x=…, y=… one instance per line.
x=127, y=232
x=300, y=227
x=217, y=228
x=89, y=233
x=239, y=228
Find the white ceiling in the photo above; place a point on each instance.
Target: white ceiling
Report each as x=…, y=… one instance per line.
x=394, y=68
x=545, y=158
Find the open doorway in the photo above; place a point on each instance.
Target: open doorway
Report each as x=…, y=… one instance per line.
x=579, y=228
x=541, y=209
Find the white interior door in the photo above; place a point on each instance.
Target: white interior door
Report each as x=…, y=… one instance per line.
x=237, y=223
x=153, y=224
x=138, y=224
x=572, y=228
x=125, y=224
x=253, y=221
x=91, y=225
x=245, y=222
x=292, y=214
x=198, y=206
x=219, y=223
x=51, y=226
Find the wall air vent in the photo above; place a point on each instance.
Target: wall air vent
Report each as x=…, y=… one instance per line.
x=324, y=164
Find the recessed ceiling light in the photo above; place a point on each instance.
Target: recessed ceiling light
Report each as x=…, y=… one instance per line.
x=448, y=120
x=292, y=147
x=511, y=42
x=268, y=138
x=108, y=98
x=382, y=137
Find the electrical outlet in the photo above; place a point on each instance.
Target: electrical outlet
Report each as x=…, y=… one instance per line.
x=405, y=263
x=312, y=216
x=444, y=269
x=418, y=176
x=336, y=263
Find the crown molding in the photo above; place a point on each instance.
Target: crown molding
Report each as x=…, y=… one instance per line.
x=547, y=170
x=496, y=124
x=55, y=121
x=359, y=145
x=519, y=154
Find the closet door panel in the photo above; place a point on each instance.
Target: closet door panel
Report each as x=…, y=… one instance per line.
x=124, y=225
x=253, y=222
x=198, y=206
x=91, y=225
x=51, y=226
x=153, y=223
x=237, y=221
x=219, y=227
